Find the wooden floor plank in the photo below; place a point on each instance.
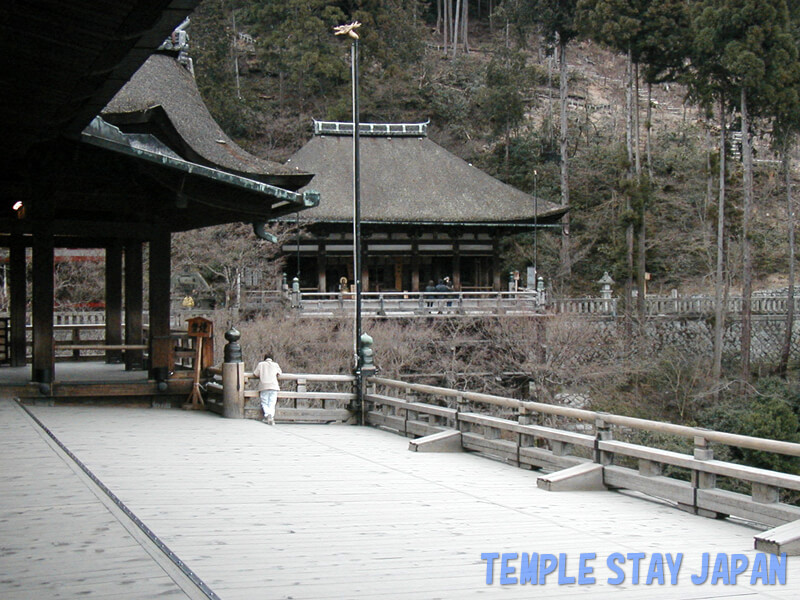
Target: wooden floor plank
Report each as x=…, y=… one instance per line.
x=57, y=540
x=347, y=512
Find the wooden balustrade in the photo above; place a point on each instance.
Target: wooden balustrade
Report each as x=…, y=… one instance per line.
x=305, y=403
x=398, y=405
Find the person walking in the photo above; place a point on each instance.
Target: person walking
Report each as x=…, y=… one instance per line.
x=267, y=372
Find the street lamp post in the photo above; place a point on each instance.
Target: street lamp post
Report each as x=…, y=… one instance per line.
x=535, y=229
x=349, y=30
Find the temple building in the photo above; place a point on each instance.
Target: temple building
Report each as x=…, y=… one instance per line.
x=121, y=178
x=426, y=214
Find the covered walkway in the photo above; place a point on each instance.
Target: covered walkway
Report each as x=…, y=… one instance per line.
x=311, y=512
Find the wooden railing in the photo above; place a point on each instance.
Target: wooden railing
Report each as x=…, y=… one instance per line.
x=488, y=302
x=670, y=305
x=577, y=436
x=82, y=341
x=403, y=303
x=305, y=402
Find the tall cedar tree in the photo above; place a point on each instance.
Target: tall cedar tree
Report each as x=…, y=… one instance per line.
x=557, y=21
x=786, y=127
x=746, y=50
x=620, y=24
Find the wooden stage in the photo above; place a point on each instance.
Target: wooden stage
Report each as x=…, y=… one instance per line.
x=94, y=382
x=295, y=511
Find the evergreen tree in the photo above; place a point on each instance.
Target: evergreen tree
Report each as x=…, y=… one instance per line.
x=296, y=45
x=620, y=25
x=743, y=50
x=556, y=18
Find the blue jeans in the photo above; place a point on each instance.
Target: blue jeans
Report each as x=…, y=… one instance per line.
x=269, y=398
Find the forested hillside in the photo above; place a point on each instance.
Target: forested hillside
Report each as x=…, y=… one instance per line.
x=643, y=185
x=615, y=109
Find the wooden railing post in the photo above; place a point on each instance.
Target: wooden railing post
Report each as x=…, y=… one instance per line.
x=76, y=339
x=302, y=387
x=602, y=432
x=702, y=451
x=233, y=380
x=525, y=418
x=702, y=480
x=462, y=405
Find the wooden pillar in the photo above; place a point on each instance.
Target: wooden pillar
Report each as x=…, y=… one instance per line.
x=497, y=282
x=18, y=301
x=133, y=304
x=43, y=369
x=322, y=267
x=160, y=342
x=414, y=263
x=364, y=270
x=456, y=263
x=114, y=300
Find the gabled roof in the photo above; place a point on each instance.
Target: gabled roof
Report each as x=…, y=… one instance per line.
x=191, y=195
x=407, y=178
x=63, y=60
x=162, y=98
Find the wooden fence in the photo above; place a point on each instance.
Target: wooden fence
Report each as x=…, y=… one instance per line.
x=488, y=302
x=458, y=303
x=311, y=399
x=617, y=451
x=400, y=303
x=515, y=434
x=534, y=435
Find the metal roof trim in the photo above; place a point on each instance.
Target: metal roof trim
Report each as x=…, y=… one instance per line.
x=101, y=134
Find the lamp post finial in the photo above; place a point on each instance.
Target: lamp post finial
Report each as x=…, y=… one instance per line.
x=348, y=29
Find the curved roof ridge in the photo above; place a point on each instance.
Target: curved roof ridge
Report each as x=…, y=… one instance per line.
x=412, y=180
x=164, y=83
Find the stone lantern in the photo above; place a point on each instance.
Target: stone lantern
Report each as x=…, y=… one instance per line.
x=606, y=282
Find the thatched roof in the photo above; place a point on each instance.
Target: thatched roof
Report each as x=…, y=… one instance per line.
x=163, y=95
x=406, y=177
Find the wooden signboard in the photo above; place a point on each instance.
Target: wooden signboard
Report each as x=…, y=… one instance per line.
x=202, y=330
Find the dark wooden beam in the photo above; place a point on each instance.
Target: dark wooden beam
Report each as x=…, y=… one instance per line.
x=114, y=300
x=160, y=342
x=133, y=304
x=18, y=304
x=43, y=290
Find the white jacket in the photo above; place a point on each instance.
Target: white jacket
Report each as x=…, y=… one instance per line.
x=267, y=372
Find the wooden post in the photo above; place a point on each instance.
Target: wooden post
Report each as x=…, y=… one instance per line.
x=233, y=390
x=114, y=301
x=18, y=301
x=456, y=263
x=302, y=387
x=415, y=263
x=602, y=432
x=133, y=304
x=702, y=480
x=322, y=267
x=703, y=452
x=462, y=405
x=160, y=341
x=497, y=283
x=525, y=418
x=233, y=377
x=43, y=291
x=364, y=271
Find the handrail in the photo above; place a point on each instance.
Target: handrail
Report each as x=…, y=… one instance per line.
x=730, y=439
